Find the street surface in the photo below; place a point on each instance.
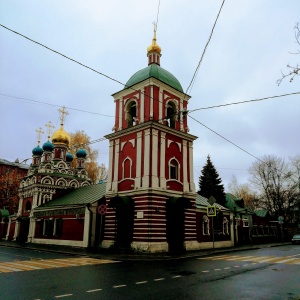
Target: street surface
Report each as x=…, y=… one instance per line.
x=268, y=273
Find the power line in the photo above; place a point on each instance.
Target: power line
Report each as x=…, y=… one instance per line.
x=55, y=105
x=227, y=140
x=245, y=101
x=203, y=53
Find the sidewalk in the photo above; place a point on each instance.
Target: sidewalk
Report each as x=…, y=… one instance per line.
x=131, y=255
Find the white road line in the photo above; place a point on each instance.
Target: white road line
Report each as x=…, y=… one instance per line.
x=95, y=290
x=61, y=296
x=245, y=265
x=236, y=266
x=217, y=269
x=141, y=282
x=284, y=260
x=119, y=286
x=177, y=276
x=227, y=268
x=159, y=279
x=205, y=271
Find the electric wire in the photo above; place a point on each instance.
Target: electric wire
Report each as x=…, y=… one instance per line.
x=203, y=53
x=227, y=140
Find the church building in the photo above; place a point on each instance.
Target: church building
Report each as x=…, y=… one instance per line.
x=150, y=188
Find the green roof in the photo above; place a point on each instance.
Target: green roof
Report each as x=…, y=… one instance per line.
x=236, y=204
x=80, y=196
x=157, y=72
x=203, y=202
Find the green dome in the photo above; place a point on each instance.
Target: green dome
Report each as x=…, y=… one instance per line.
x=157, y=72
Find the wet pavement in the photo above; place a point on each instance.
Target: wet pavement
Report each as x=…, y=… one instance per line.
x=115, y=254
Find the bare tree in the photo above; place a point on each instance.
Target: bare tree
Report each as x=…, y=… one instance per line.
x=244, y=192
x=293, y=70
x=276, y=184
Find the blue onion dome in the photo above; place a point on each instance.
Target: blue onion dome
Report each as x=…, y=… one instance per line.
x=69, y=157
x=81, y=153
x=48, y=146
x=37, y=150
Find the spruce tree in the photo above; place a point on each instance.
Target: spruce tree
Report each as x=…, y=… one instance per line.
x=210, y=184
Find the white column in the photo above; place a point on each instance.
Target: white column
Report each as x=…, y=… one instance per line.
x=160, y=107
x=191, y=161
x=138, y=170
x=35, y=199
x=151, y=102
x=120, y=113
x=185, y=167
x=163, y=160
x=20, y=206
x=86, y=229
x=180, y=115
x=110, y=166
x=154, y=158
x=142, y=110
x=116, y=166
x=146, y=180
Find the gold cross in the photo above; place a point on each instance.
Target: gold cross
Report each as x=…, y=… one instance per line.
x=63, y=113
x=39, y=132
x=49, y=126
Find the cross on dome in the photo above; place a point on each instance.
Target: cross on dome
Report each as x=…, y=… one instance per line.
x=40, y=133
x=49, y=126
x=63, y=113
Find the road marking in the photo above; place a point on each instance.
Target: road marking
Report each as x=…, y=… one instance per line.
x=119, y=286
x=95, y=290
x=38, y=264
x=61, y=296
x=177, y=276
x=159, y=279
x=227, y=268
x=236, y=266
x=205, y=271
x=141, y=282
x=217, y=269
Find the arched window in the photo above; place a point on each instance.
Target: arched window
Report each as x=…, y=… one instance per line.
x=205, y=225
x=131, y=114
x=173, y=169
x=171, y=114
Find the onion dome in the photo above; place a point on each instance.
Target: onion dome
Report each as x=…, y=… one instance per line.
x=81, y=153
x=48, y=146
x=69, y=157
x=60, y=136
x=154, y=46
x=37, y=150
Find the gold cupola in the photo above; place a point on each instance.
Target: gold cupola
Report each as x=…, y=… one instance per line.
x=60, y=136
x=154, y=50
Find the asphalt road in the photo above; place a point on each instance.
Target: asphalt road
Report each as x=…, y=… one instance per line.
x=270, y=273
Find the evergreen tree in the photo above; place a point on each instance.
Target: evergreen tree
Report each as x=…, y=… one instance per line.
x=210, y=184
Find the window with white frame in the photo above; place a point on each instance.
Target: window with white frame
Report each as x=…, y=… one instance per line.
x=173, y=169
x=131, y=114
x=225, y=226
x=205, y=225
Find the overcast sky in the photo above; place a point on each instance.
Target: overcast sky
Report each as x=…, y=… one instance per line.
x=250, y=46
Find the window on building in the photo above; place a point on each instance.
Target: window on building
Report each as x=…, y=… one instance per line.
x=28, y=206
x=48, y=227
x=173, y=169
x=205, y=225
x=127, y=168
x=245, y=223
x=171, y=114
x=131, y=114
x=225, y=226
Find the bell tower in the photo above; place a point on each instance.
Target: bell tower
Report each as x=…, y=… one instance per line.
x=150, y=189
